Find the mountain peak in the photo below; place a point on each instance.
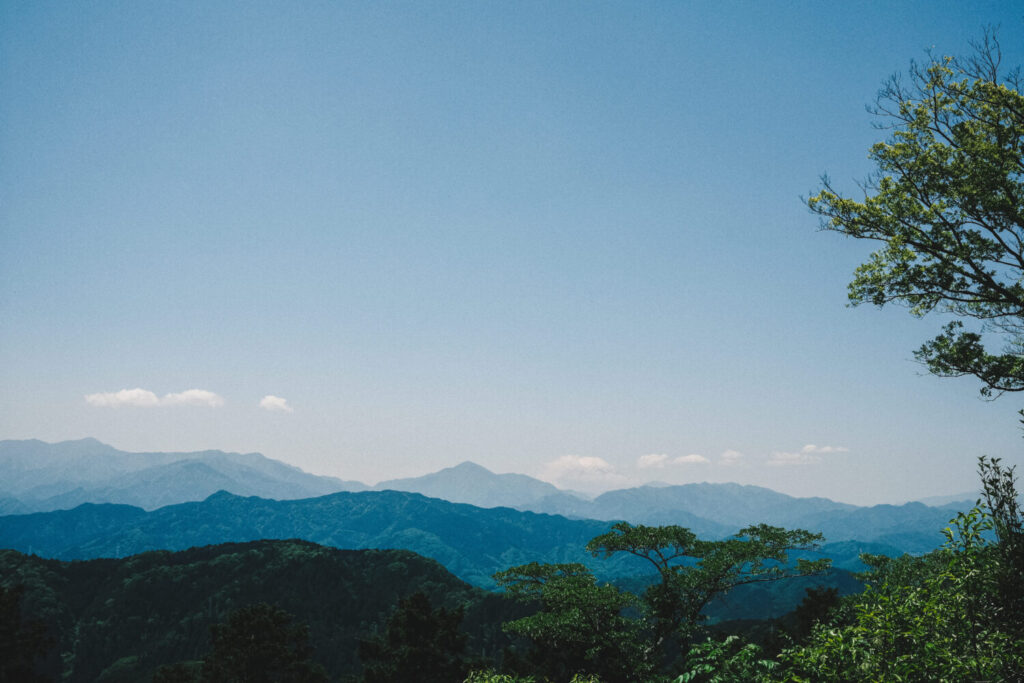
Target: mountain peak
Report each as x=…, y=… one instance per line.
x=471, y=483
x=470, y=466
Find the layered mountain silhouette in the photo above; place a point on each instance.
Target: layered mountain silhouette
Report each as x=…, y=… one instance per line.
x=146, y=496
x=38, y=476
x=472, y=542
x=476, y=485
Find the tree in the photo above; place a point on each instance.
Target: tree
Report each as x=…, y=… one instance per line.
x=22, y=642
x=947, y=206
x=726, y=661
x=818, y=605
x=1002, y=504
x=580, y=625
x=941, y=617
x=418, y=644
x=693, y=572
x=260, y=644
x=586, y=623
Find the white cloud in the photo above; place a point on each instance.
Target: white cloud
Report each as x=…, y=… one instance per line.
x=660, y=460
x=653, y=460
x=808, y=455
x=147, y=399
x=730, y=457
x=811, y=448
x=275, y=404
x=193, y=397
x=581, y=471
x=125, y=397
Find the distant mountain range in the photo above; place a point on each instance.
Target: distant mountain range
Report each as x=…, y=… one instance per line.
x=37, y=476
x=41, y=477
x=471, y=542
x=710, y=510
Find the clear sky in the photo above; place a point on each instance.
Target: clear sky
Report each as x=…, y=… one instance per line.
x=559, y=238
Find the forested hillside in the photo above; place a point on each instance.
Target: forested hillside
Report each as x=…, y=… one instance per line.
x=121, y=619
x=473, y=543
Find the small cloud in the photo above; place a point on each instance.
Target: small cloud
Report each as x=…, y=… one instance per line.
x=811, y=448
x=650, y=461
x=193, y=397
x=147, y=399
x=808, y=455
x=691, y=459
x=275, y=404
x=581, y=471
x=730, y=457
x=125, y=397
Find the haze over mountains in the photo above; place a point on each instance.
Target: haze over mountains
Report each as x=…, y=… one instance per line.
x=459, y=516
x=36, y=476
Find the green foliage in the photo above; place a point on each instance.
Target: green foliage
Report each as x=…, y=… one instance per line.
x=493, y=677
x=693, y=571
x=580, y=625
x=418, y=644
x=816, y=607
x=159, y=606
x=260, y=644
x=726, y=661
x=947, y=206
x=22, y=641
x=181, y=672
x=928, y=619
x=1000, y=496
x=586, y=626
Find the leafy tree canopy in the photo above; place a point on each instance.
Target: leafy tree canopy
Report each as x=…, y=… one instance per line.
x=693, y=571
x=260, y=643
x=946, y=205
x=597, y=628
x=419, y=643
x=22, y=641
x=940, y=617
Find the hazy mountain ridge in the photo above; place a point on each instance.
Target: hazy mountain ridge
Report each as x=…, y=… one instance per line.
x=72, y=472
x=476, y=485
x=953, y=499
x=38, y=476
x=715, y=508
x=711, y=510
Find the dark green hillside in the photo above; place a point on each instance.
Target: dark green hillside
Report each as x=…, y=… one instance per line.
x=473, y=543
x=129, y=616
x=45, y=533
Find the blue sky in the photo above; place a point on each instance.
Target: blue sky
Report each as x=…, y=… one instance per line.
x=563, y=239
